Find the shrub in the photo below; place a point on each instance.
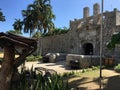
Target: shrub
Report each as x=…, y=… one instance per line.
x=68, y=74
x=117, y=68
x=96, y=67
x=38, y=57
x=30, y=58
x=30, y=80
x=34, y=58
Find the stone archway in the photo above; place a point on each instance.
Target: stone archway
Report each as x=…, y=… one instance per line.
x=88, y=49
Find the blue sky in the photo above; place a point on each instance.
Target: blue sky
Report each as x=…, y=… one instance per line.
x=65, y=10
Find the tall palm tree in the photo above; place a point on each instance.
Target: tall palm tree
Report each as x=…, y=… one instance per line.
x=30, y=20
x=18, y=25
x=2, y=18
x=45, y=14
x=38, y=16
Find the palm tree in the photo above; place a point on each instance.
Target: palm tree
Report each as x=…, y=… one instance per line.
x=30, y=20
x=17, y=26
x=45, y=15
x=14, y=32
x=38, y=16
x=2, y=18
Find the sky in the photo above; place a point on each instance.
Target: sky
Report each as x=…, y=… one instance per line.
x=64, y=10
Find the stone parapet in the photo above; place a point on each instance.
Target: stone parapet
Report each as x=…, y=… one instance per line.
x=85, y=61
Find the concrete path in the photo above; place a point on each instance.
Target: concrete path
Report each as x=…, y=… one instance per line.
x=59, y=67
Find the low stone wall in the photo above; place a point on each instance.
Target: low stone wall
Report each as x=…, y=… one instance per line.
x=85, y=61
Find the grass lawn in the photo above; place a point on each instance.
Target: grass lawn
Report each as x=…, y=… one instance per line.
x=90, y=80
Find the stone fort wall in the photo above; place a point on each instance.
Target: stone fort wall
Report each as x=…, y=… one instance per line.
x=84, y=34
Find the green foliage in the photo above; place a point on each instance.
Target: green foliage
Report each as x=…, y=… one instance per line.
x=90, y=69
x=57, y=31
x=38, y=16
x=80, y=72
x=30, y=80
x=114, y=40
x=68, y=74
x=14, y=31
x=117, y=68
x=96, y=67
x=2, y=17
x=86, y=70
x=34, y=58
x=18, y=26
x=36, y=35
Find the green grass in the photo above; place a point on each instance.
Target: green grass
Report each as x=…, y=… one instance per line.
x=93, y=73
x=80, y=73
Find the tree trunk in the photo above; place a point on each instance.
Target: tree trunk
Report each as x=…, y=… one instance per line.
x=7, y=67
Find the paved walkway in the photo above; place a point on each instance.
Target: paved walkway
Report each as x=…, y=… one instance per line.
x=59, y=67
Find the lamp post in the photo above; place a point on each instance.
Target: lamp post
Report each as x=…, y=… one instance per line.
x=101, y=46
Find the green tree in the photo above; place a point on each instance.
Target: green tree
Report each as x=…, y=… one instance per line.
x=14, y=31
x=57, y=31
x=37, y=35
x=17, y=26
x=29, y=21
x=114, y=40
x=2, y=17
x=38, y=16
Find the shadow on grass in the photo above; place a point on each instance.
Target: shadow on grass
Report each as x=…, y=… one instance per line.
x=113, y=83
x=108, y=83
x=81, y=83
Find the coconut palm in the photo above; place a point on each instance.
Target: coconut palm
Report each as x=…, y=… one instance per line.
x=18, y=26
x=45, y=14
x=2, y=18
x=27, y=21
x=38, y=16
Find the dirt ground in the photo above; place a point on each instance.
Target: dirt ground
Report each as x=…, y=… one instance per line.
x=110, y=79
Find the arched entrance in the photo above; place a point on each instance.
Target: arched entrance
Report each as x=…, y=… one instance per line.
x=88, y=49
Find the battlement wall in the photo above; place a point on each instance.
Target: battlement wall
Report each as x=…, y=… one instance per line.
x=95, y=19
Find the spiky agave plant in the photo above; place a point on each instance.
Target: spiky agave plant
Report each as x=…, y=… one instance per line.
x=30, y=80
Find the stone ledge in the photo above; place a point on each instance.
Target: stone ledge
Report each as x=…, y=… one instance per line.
x=85, y=61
